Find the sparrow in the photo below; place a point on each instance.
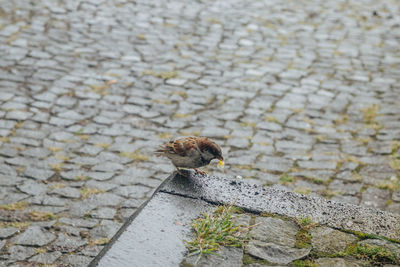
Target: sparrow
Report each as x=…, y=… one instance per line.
x=191, y=153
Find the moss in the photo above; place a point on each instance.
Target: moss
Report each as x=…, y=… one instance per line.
x=304, y=263
x=303, y=239
x=136, y=155
x=362, y=236
x=248, y=259
x=102, y=145
x=373, y=254
x=19, y=225
x=101, y=241
x=181, y=115
x=370, y=113
x=86, y=192
x=14, y=206
x=162, y=75
x=40, y=250
x=271, y=119
x=165, y=135
x=395, y=164
x=287, y=179
x=57, y=167
x=41, y=216
x=302, y=190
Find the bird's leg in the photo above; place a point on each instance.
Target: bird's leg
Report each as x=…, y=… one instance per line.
x=200, y=171
x=180, y=172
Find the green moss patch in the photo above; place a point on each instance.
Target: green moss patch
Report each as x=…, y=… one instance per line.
x=372, y=254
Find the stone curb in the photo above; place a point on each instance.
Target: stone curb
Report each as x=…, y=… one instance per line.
x=164, y=220
x=258, y=199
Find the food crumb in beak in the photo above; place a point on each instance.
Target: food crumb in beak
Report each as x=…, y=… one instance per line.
x=221, y=163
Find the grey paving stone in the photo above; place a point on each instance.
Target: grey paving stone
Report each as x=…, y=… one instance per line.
x=103, y=213
x=274, y=253
x=35, y=236
x=279, y=232
x=76, y=260
x=326, y=262
x=46, y=258
x=106, y=229
x=328, y=240
x=18, y=253
x=65, y=243
x=226, y=256
x=68, y=192
x=374, y=197
x=32, y=187
x=40, y=174
x=7, y=232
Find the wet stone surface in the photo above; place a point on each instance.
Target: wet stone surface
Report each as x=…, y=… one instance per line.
x=299, y=95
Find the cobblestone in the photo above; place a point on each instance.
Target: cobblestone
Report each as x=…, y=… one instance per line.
x=302, y=96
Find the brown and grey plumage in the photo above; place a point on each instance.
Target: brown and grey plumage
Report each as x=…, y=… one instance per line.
x=191, y=152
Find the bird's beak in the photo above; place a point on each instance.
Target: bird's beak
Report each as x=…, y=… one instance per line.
x=221, y=162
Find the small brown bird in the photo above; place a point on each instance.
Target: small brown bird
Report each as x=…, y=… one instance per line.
x=191, y=153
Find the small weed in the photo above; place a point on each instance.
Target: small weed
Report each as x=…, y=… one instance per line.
x=13, y=206
x=286, y=179
x=391, y=185
x=101, y=241
x=342, y=120
x=248, y=259
x=320, y=138
x=302, y=190
x=370, y=113
x=396, y=147
x=54, y=149
x=213, y=230
x=181, y=115
x=136, y=155
x=271, y=119
x=82, y=178
x=305, y=223
x=86, y=192
x=165, y=136
x=303, y=239
x=102, y=145
x=4, y=139
x=180, y=93
x=56, y=167
x=162, y=75
x=19, y=225
x=395, y=164
x=41, y=216
x=40, y=250
x=248, y=124
x=79, y=132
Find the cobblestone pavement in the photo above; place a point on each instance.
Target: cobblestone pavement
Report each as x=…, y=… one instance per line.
x=305, y=93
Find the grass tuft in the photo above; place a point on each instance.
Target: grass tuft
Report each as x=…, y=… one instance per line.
x=213, y=230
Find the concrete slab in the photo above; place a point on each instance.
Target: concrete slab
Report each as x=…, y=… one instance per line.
x=155, y=237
